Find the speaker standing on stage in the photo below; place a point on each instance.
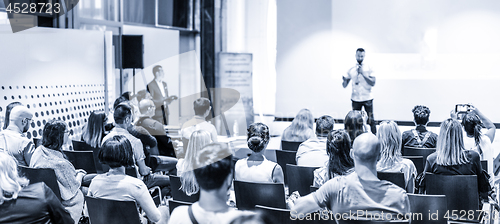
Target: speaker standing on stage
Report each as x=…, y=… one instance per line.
x=159, y=92
x=363, y=81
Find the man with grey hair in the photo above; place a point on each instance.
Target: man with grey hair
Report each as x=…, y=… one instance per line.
x=360, y=195
x=12, y=139
x=312, y=152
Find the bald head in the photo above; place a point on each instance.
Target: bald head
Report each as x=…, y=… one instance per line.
x=20, y=117
x=366, y=148
x=146, y=107
x=20, y=113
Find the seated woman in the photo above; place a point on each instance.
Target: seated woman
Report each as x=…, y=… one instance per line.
x=93, y=132
x=50, y=155
x=338, y=148
x=476, y=140
x=420, y=137
x=355, y=123
x=256, y=168
x=23, y=203
x=451, y=158
x=117, y=153
x=301, y=128
x=391, y=159
x=197, y=140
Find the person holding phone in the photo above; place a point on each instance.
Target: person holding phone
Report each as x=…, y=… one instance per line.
x=477, y=139
x=363, y=81
x=159, y=92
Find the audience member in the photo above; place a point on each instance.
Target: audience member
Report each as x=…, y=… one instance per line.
x=391, y=159
x=149, y=143
x=201, y=110
x=360, y=190
x=93, y=132
x=256, y=168
x=143, y=94
x=50, y=155
x=117, y=153
x=338, y=148
x=355, y=123
x=23, y=203
x=420, y=137
x=12, y=139
x=480, y=142
x=213, y=172
x=312, y=152
x=7, y=113
x=123, y=121
x=301, y=128
x=451, y=158
x=155, y=128
x=198, y=139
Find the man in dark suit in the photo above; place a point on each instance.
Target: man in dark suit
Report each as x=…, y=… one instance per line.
x=158, y=90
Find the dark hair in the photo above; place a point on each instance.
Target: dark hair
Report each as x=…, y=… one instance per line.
x=324, y=125
x=116, y=152
x=472, y=125
x=338, y=147
x=7, y=113
x=155, y=69
x=141, y=95
x=360, y=50
x=257, y=136
x=53, y=134
x=122, y=111
x=128, y=95
x=120, y=100
x=201, y=105
x=215, y=165
x=421, y=114
x=94, y=130
x=353, y=124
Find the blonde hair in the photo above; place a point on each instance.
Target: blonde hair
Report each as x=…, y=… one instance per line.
x=389, y=136
x=298, y=130
x=10, y=182
x=197, y=140
x=450, y=144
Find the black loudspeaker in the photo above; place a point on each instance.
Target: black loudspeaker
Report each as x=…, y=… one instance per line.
x=132, y=51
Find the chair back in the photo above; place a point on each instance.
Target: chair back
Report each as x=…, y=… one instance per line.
x=106, y=211
x=178, y=194
x=46, y=175
x=249, y=194
x=432, y=208
x=396, y=178
x=418, y=161
x=82, y=146
x=460, y=190
x=290, y=146
x=412, y=151
x=284, y=157
x=82, y=160
x=302, y=178
x=278, y=215
x=172, y=204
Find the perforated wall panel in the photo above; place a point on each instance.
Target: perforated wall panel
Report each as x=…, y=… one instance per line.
x=70, y=103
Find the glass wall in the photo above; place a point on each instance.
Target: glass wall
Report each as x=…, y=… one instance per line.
x=100, y=9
